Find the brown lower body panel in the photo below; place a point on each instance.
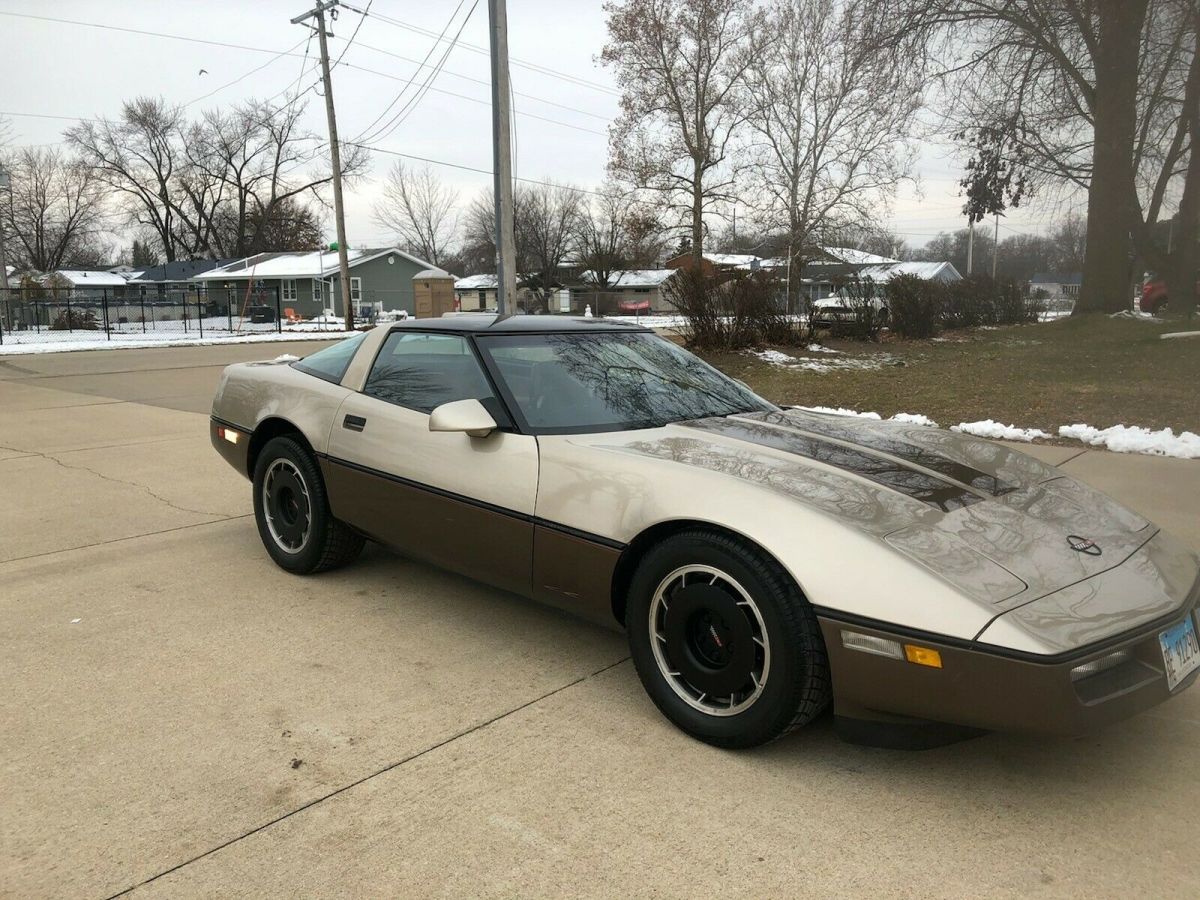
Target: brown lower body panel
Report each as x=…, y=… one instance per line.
x=574, y=574
x=991, y=691
x=482, y=543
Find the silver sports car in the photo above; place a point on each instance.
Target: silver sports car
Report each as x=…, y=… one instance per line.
x=765, y=563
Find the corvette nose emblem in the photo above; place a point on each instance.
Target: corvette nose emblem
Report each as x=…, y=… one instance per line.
x=1083, y=545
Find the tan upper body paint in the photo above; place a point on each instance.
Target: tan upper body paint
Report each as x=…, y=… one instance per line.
x=999, y=571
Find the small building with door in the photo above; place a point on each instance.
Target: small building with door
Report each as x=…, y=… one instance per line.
x=309, y=284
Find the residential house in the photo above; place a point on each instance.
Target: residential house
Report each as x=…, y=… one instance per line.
x=1056, y=285
x=926, y=271
x=628, y=292
x=477, y=293
x=308, y=284
x=87, y=285
x=172, y=282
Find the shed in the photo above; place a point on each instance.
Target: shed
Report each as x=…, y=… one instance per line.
x=433, y=293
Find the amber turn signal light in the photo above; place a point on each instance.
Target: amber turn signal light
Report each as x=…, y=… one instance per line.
x=923, y=656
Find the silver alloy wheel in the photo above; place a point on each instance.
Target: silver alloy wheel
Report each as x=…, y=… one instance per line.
x=287, y=508
x=738, y=700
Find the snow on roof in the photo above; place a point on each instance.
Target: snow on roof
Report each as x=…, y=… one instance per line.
x=856, y=257
x=82, y=278
x=633, y=278
x=485, y=282
x=432, y=273
x=730, y=259
x=297, y=265
x=929, y=271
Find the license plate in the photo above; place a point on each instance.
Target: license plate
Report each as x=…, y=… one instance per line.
x=1180, y=650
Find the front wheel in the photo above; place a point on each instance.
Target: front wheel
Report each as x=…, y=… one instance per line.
x=292, y=511
x=724, y=643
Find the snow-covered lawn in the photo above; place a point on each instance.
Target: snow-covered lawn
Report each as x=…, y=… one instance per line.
x=65, y=342
x=841, y=362
x=1124, y=439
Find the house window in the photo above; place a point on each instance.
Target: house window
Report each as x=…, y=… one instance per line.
x=355, y=289
x=318, y=289
x=289, y=289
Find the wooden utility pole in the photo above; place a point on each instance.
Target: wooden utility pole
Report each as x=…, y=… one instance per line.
x=335, y=153
x=506, y=255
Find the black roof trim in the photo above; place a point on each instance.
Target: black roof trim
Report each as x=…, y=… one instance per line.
x=489, y=324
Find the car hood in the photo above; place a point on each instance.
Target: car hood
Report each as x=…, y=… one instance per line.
x=1003, y=527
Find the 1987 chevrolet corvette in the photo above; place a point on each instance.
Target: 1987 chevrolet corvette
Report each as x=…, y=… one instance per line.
x=764, y=562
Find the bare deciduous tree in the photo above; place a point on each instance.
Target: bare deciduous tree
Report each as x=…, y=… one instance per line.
x=832, y=106
x=546, y=219
x=215, y=187
x=615, y=232
x=420, y=210
x=681, y=66
x=1094, y=93
x=53, y=212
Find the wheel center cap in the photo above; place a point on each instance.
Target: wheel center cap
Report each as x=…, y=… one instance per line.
x=709, y=639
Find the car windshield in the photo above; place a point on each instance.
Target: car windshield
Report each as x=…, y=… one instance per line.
x=576, y=383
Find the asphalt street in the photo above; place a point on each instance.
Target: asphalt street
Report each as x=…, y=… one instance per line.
x=181, y=718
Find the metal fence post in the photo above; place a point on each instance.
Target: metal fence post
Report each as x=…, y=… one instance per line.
x=5, y=307
x=107, y=322
x=199, y=314
x=70, y=318
x=142, y=302
x=278, y=308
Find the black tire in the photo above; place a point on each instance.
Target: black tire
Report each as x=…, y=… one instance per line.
x=794, y=690
x=300, y=534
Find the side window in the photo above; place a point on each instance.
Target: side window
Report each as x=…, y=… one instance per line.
x=423, y=371
x=332, y=362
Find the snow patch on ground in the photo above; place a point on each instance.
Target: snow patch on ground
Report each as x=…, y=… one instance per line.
x=1126, y=439
x=147, y=341
x=1136, y=315
x=997, y=431
x=913, y=419
x=839, y=411
x=840, y=364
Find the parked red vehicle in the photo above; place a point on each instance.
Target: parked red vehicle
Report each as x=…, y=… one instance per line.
x=1154, y=296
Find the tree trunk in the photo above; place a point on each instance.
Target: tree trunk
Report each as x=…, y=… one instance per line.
x=698, y=220
x=1183, y=261
x=1107, y=282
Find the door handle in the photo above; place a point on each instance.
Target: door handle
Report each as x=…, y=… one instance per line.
x=354, y=423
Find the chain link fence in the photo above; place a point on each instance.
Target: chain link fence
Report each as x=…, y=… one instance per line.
x=131, y=315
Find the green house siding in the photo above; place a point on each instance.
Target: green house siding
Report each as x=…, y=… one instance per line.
x=384, y=283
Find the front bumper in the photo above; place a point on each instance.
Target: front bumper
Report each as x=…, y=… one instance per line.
x=237, y=451
x=994, y=690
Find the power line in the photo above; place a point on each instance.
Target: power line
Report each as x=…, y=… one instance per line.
x=362, y=18
x=420, y=66
x=272, y=60
x=445, y=71
x=475, y=48
x=211, y=43
x=397, y=120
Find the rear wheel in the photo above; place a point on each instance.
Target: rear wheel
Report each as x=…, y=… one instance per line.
x=292, y=511
x=723, y=642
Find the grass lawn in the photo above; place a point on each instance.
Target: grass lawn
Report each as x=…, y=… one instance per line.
x=1091, y=370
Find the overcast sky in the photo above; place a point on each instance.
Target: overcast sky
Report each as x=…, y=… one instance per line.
x=56, y=69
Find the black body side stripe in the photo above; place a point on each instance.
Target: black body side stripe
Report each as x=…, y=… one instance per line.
x=480, y=504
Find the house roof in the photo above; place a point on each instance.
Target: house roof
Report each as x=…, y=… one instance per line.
x=84, y=278
x=1057, y=278
x=432, y=273
x=299, y=265
x=730, y=259
x=857, y=257
x=929, y=271
x=633, y=278
x=179, y=270
x=484, y=282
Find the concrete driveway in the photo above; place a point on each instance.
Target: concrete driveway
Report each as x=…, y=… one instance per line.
x=182, y=718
